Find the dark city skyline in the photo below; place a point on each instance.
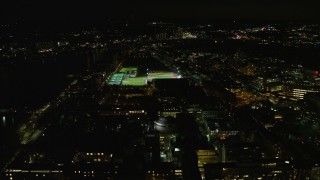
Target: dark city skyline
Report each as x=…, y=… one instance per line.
x=86, y=11
x=159, y=89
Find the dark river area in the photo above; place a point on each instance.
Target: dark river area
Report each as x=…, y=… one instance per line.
x=28, y=84
x=31, y=83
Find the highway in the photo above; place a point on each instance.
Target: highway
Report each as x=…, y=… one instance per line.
x=31, y=130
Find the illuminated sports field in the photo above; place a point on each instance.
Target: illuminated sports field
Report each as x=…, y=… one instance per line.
x=116, y=79
x=136, y=81
x=162, y=75
x=121, y=78
x=128, y=69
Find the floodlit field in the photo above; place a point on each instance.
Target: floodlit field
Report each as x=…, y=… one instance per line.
x=121, y=77
x=162, y=75
x=116, y=79
x=128, y=69
x=137, y=81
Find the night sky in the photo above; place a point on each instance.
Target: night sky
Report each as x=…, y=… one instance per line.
x=97, y=10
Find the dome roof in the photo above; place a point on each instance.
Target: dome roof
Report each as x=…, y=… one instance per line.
x=166, y=120
x=166, y=125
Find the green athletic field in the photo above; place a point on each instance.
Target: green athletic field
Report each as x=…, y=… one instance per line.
x=128, y=69
x=116, y=79
x=137, y=81
x=161, y=75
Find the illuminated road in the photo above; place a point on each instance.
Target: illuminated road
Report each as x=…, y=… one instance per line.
x=31, y=130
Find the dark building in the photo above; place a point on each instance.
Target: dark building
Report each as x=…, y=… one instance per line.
x=313, y=99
